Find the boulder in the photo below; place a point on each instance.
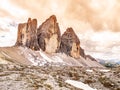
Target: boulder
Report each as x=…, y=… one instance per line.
x=70, y=43
x=49, y=35
x=27, y=34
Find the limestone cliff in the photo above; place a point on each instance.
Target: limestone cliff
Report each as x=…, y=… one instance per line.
x=82, y=53
x=49, y=35
x=48, y=38
x=70, y=43
x=27, y=34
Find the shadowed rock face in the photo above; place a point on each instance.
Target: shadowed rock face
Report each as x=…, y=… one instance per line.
x=82, y=53
x=90, y=57
x=27, y=34
x=70, y=43
x=49, y=35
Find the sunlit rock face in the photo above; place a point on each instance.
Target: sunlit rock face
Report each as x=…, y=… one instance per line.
x=70, y=43
x=27, y=34
x=49, y=35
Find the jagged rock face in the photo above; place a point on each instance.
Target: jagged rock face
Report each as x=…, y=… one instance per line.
x=49, y=35
x=27, y=34
x=82, y=53
x=70, y=43
x=90, y=57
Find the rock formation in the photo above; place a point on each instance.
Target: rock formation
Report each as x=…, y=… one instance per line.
x=27, y=34
x=90, y=57
x=49, y=39
x=49, y=35
x=82, y=53
x=70, y=43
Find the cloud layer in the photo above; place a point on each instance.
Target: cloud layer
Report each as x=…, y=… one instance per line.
x=99, y=14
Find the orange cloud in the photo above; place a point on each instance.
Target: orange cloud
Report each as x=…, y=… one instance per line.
x=3, y=13
x=99, y=15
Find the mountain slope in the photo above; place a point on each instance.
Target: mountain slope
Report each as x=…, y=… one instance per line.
x=13, y=54
x=25, y=56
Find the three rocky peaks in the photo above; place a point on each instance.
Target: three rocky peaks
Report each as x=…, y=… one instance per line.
x=48, y=38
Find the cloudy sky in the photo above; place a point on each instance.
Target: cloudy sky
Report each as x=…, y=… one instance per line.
x=96, y=22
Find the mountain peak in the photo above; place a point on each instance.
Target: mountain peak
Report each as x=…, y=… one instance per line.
x=29, y=20
x=49, y=35
x=27, y=35
x=70, y=43
x=53, y=17
x=70, y=29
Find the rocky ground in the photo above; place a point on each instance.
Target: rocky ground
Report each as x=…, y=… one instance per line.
x=49, y=77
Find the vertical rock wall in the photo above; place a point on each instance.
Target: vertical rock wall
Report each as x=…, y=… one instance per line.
x=70, y=43
x=48, y=38
x=27, y=34
x=49, y=35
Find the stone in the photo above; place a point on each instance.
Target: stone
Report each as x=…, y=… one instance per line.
x=90, y=57
x=82, y=53
x=70, y=43
x=49, y=35
x=27, y=34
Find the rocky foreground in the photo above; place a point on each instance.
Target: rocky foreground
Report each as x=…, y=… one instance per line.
x=49, y=77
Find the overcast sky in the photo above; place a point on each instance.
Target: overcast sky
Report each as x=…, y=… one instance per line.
x=96, y=22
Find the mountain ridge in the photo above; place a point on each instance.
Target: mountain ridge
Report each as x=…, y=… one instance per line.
x=46, y=45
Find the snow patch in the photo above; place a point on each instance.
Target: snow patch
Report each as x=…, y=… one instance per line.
x=36, y=61
x=57, y=59
x=45, y=56
x=104, y=70
x=31, y=59
x=79, y=85
x=88, y=70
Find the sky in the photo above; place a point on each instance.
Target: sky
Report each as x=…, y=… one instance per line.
x=96, y=22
